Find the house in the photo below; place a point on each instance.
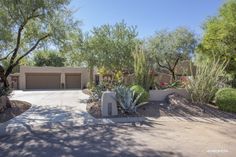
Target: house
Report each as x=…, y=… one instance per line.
x=30, y=78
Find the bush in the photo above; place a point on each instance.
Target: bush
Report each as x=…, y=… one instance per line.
x=138, y=90
x=90, y=85
x=226, y=99
x=97, y=91
x=203, y=86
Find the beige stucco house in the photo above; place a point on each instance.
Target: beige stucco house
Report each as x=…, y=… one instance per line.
x=30, y=78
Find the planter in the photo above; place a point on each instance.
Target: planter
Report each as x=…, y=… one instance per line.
x=160, y=95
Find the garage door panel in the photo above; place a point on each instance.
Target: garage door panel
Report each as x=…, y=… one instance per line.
x=73, y=81
x=43, y=81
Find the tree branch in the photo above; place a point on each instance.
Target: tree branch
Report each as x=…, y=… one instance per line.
x=162, y=66
x=6, y=56
x=18, y=40
x=169, y=66
x=11, y=66
x=176, y=62
x=32, y=48
x=17, y=43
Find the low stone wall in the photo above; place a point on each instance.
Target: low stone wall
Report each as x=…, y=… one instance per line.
x=160, y=95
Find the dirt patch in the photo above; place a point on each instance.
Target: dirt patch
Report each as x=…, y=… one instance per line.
x=18, y=107
x=151, y=109
x=177, y=105
x=94, y=108
x=174, y=106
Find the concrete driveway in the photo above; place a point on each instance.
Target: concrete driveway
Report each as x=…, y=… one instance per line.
x=49, y=108
x=56, y=126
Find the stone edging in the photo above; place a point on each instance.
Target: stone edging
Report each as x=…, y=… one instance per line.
x=165, y=118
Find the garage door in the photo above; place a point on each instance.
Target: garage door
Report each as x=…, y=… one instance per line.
x=43, y=81
x=73, y=81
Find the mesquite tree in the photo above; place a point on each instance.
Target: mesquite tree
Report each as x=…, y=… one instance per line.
x=27, y=25
x=170, y=47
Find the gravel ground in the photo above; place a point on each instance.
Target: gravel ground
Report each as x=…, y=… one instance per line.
x=174, y=106
x=18, y=107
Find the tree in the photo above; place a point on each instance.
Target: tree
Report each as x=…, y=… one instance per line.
x=168, y=48
x=108, y=46
x=28, y=25
x=90, y=56
x=113, y=45
x=220, y=36
x=72, y=49
x=48, y=58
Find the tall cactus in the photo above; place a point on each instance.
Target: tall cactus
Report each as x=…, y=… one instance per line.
x=142, y=68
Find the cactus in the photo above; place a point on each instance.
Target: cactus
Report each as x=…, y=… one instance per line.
x=127, y=100
x=142, y=69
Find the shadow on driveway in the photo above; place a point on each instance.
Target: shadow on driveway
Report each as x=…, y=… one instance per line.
x=83, y=141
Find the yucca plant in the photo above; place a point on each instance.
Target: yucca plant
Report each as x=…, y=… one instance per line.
x=205, y=83
x=127, y=100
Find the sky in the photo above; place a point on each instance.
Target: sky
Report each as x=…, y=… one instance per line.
x=149, y=16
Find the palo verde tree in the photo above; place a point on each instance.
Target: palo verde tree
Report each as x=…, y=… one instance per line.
x=72, y=47
x=113, y=45
x=220, y=37
x=168, y=48
x=89, y=56
x=27, y=25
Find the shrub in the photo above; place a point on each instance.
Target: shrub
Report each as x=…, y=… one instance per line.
x=226, y=99
x=96, y=92
x=204, y=85
x=127, y=100
x=90, y=85
x=140, y=90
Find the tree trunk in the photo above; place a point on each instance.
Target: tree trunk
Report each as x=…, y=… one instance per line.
x=173, y=75
x=4, y=82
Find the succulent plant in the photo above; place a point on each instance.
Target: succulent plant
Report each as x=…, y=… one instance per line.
x=127, y=100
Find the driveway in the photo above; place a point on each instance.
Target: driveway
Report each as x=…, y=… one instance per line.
x=51, y=107
x=157, y=139
x=58, y=125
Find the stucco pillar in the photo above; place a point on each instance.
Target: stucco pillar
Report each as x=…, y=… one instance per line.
x=63, y=80
x=108, y=104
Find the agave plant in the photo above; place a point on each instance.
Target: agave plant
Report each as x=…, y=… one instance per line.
x=127, y=100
